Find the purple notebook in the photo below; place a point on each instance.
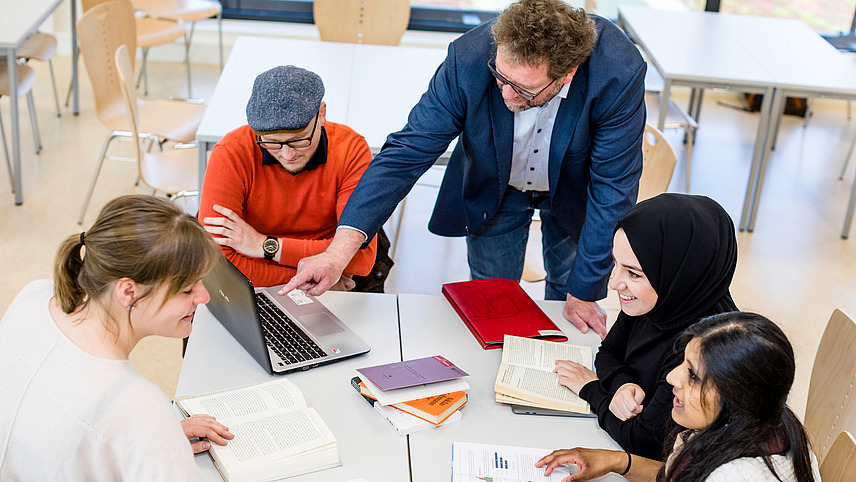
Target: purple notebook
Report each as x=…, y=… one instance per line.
x=410, y=373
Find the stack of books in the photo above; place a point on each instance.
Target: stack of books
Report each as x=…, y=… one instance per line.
x=415, y=394
x=526, y=374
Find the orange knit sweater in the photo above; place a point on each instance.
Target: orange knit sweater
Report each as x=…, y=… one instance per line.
x=302, y=209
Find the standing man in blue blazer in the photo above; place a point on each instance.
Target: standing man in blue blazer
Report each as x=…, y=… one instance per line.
x=548, y=107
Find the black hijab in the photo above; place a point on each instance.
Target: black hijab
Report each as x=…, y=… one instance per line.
x=688, y=250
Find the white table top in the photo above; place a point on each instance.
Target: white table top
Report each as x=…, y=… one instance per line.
x=744, y=49
x=370, y=88
x=19, y=21
x=801, y=59
x=250, y=56
x=429, y=326
x=368, y=447
x=692, y=46
x=386, y=83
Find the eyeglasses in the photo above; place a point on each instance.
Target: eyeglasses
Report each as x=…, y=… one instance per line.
x=294, y=143
x=516, y=88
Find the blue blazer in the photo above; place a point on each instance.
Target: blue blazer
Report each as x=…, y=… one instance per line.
x=595, y=152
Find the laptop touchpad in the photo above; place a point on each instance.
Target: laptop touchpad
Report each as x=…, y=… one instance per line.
x=321, y=324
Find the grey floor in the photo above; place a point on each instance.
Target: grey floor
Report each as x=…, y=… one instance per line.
x=794, y=268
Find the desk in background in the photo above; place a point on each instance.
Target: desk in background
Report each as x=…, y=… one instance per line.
x=17, y=24
x=705, y=50
x=369, y=88
x=367, y=446
x=777, y=57
x=430, y=326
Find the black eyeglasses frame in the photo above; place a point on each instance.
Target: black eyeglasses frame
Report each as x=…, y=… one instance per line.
x=293, y=143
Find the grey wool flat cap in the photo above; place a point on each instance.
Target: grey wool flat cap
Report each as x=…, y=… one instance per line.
x=284, y=98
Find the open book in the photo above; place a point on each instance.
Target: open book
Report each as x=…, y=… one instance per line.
x=276, y=434
x=526, y=375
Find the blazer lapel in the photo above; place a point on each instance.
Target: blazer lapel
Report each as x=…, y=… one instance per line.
x=502, y=126
x=566, y=123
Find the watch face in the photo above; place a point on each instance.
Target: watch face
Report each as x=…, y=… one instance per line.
x=271, y=245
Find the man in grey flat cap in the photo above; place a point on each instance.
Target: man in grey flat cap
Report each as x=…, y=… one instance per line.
x=274, y=189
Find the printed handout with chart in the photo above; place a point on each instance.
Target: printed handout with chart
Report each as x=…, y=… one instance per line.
x=473, y=462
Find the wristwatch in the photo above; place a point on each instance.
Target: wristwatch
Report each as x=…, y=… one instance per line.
x=270, y=246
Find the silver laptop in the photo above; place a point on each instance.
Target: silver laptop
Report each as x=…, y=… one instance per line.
x=283, y=333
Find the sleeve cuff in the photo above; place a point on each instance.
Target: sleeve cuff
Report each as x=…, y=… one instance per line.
x=365, y=236
x=593, y=393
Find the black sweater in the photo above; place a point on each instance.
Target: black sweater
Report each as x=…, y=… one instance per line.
x=636, y=351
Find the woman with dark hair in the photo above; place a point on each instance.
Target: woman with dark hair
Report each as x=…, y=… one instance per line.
x=730, y=396
x=674, y=256
x=72, y=406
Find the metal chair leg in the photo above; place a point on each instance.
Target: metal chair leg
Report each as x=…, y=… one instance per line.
x=144, y=72
x=848, y=218
x=847, y=159
x=101, y=158
x=220, y=32
x=187, y=38
x=6, y=152
x=37, y=136
x=690, y=141
x=53, y=83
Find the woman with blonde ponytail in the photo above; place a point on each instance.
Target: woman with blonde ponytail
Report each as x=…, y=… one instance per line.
x=72, y=405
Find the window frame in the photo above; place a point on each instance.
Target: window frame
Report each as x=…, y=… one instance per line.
x=421, y=18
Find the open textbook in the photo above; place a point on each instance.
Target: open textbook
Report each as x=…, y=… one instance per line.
x=276, y=434
x=472, y=462
x=526, y=375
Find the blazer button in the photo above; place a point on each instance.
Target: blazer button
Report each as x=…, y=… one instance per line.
x=467, y=228
x=484, y=215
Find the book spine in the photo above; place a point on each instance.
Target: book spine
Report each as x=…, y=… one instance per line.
x=391, y=421
x=464, y=318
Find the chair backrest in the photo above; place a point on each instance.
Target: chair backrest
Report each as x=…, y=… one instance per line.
x=100, y=31
x=658, y=164
x=125, y=74
x=88, y=4
x=839, y=465
x=830, y=408
x=380, y=22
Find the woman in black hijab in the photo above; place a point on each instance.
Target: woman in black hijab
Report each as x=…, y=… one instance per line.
x=675, y=256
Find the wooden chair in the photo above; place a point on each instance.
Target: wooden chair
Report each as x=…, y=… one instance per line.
x=101, y=31
x=151, y=32
x=26, y=79
x=839, y=465
x=41, y=46
x=676, y=118
x=829, y=408
x=185, y=11
x=172, y=172
x=380, y=22
x=658, y=164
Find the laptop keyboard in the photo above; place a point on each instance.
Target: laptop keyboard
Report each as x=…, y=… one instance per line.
x=284, y=337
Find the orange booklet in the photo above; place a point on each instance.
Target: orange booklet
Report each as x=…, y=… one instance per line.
x=434, y=409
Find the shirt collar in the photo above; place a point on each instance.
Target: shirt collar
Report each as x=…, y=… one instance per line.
x=320, y=156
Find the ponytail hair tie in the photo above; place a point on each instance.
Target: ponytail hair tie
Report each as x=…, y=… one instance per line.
x=81, y=238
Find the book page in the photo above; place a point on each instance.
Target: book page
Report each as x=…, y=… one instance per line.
x=526, y=372
x=473, y=462
x=263, y=439
x=542, y=354
x=248, y=399
x=539, y=386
